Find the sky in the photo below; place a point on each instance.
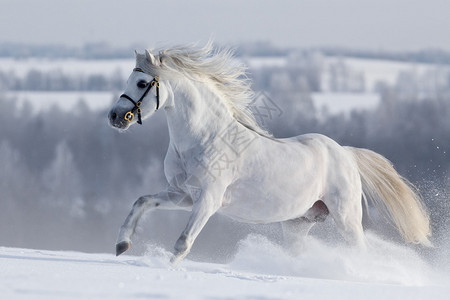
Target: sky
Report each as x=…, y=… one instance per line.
x=392, y=25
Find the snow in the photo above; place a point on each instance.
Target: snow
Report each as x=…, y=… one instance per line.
x=259, y=270
x=67, y=101
x=337, y=103
x=377, y=70
x=77, y=67
x=333, y=103
x=264, y=62
x=373, y=71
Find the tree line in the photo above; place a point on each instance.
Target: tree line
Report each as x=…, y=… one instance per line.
x=56, y=80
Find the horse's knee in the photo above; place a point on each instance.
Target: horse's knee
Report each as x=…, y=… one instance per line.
x=145, y=201
x=140, y=202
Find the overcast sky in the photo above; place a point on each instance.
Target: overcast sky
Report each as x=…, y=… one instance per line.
x=363, y=24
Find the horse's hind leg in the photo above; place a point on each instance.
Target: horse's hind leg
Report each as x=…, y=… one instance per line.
x=294, y=231
x=168, y=199
x=347, y=214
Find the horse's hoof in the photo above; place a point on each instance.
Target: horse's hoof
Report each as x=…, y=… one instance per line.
x=177, y=258
x=175, y=261
x=122, y=247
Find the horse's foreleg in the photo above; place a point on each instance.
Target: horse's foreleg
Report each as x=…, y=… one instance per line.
x=201, y=212
x=168, y=199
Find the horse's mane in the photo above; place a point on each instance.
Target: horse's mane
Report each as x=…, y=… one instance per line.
x=217, y=67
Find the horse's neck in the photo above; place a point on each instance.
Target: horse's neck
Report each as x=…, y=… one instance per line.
x=197, y=119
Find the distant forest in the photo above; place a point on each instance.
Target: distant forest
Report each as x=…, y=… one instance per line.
x=68, y=178
x=103, y=50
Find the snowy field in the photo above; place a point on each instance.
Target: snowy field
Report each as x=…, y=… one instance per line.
x=377, y=70
x=333, y=103
x=259, y=270
x=76, y=67
x=337, y=103
x=373, y=71
x=66, y=101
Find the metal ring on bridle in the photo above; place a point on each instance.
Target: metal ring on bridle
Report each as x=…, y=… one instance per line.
x=129, y=116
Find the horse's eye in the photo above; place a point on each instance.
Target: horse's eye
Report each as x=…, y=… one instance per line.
x=142, y=84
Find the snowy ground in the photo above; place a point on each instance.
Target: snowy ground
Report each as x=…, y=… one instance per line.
x=337, y=103
x=66, y=101
x=259, y=270
x=334, y=103
x=374, y=71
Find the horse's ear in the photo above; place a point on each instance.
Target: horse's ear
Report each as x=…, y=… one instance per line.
x=135, y=53
x=150, y=57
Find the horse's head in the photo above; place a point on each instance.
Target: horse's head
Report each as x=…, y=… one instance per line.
x=145, y=93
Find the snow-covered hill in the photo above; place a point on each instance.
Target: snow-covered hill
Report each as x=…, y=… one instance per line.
x=371, y=71
x=259, y=270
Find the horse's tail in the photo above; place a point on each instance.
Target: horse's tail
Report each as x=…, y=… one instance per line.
x=393, y=195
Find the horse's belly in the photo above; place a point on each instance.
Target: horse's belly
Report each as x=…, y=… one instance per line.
x=251, y=203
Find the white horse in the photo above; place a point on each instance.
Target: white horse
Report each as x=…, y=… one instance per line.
x=220, y=160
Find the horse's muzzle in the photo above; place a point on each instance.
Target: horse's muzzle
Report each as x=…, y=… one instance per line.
x=117, y=120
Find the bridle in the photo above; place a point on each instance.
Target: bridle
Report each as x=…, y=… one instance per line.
x=129, y=116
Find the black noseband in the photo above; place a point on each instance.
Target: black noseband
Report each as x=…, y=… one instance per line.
x=129, y=116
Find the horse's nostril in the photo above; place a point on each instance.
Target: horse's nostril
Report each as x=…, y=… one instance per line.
x=113, y=116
